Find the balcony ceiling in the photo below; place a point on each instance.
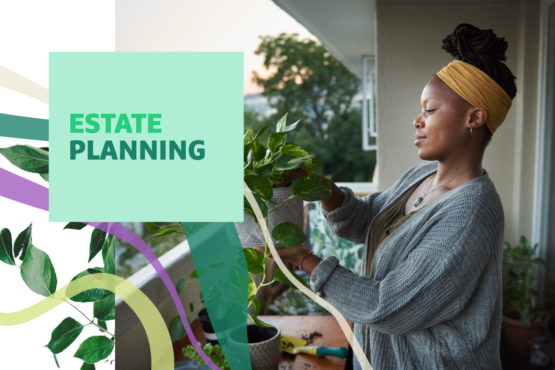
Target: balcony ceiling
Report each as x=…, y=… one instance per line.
x=346, y=27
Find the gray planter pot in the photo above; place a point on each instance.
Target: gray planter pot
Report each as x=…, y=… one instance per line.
x=265, y=354
x=292, y=211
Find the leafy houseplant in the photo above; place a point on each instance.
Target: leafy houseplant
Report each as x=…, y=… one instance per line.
x=521, y=317
x=264, y=171
x=39, y=275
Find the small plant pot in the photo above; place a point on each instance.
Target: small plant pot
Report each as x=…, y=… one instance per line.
x=264, y=346
x=292, y=211
x=209, y=332
x=517, y=334
x=190, y=365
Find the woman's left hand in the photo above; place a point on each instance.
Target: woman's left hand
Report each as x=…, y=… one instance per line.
x=294, y=254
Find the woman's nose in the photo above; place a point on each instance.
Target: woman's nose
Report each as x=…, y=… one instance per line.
x=418, y=122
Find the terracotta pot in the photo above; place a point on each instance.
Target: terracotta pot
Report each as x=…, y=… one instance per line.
x=517, y=334
x=249, y=232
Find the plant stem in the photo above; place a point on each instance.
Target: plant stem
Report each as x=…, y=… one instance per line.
x=195, y=310
x=282, y=203
x=267, y=283
x=89, y=320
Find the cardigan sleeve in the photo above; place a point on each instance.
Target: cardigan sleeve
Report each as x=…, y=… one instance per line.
x=430, y=286
x=352, y=219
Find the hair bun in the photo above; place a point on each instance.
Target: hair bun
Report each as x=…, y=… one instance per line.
x=473, y=45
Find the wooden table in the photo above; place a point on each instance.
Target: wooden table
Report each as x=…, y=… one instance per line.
x=295, y=326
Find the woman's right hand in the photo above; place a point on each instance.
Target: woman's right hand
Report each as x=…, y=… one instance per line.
x=292, y=176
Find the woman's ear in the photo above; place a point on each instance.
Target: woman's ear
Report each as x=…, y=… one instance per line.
x=478, y=117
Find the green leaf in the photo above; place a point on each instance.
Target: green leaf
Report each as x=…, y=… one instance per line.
x=91, y=295
x=27, y=158
x=98, y=238
x=258, y=150
x=260, y=186
x=94, y=349
x=289, y=162
x=103, y=325
x=248, y=209
x=45, y=176
x=88, y=366
x=180, y=284
x=22, y=241
x=177, y=330
x=311, y=188
x=109, y=256
x=105, y=309
x=235, y=279
x=191, y=306
x=309, y=167
x=75, y=226
x=216, y=265
x=276, y=178
x=538, y=260
x=255, y=260
x=38, y=272
x=280, y=126
x=219, y=308
x=294, y=150
x=6, y=250
x=165, y=232
x=275, y=140
x=259, y=322
x=280, y=276
x=265, y=170
x=291, y=126
x=316, y=163
x=64, y=334
x=288, y=234
x=247, y=138
x=261, y=132
x=110, y=239
x=150, y=226
x=251, y=290
x=256, y=307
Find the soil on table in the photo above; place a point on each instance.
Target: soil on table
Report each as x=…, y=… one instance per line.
x=310, y=338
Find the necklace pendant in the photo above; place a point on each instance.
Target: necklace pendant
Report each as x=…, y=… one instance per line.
x=418, y=201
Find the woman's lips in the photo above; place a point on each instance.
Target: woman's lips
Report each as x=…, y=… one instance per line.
x=419, y=139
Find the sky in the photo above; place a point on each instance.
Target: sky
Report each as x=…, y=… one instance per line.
x=208, y=25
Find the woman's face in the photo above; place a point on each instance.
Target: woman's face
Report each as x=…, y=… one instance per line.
x=441, y=128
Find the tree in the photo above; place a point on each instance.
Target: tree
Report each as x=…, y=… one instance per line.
x=310, y=83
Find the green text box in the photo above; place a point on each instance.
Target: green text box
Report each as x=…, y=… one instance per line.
x=199, y=97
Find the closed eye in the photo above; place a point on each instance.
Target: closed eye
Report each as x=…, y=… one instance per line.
x=430, y=111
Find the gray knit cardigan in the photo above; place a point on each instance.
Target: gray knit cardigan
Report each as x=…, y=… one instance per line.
x=433, y=299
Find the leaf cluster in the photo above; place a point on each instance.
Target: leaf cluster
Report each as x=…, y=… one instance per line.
x=39, y=274
x=520, y=289
x=214, y=352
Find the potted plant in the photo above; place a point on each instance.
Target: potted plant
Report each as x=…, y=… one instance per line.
x=264, y=169
x=521, y=317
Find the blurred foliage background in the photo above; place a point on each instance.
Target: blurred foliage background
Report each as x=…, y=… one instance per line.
x=309, y=83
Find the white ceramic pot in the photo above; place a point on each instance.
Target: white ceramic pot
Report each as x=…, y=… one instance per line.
x=265, y=354
x=292, y=211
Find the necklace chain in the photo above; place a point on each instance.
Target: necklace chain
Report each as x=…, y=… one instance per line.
x=419, y=200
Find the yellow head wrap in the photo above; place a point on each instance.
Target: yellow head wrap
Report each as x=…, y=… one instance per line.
x=479, y=89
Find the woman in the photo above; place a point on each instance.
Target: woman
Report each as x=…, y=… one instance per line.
x=429, y=294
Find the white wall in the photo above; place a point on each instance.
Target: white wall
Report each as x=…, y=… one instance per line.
x=409, y=54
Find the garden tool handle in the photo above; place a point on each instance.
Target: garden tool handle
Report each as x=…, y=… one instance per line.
x=340, y=352
x=322, y=351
